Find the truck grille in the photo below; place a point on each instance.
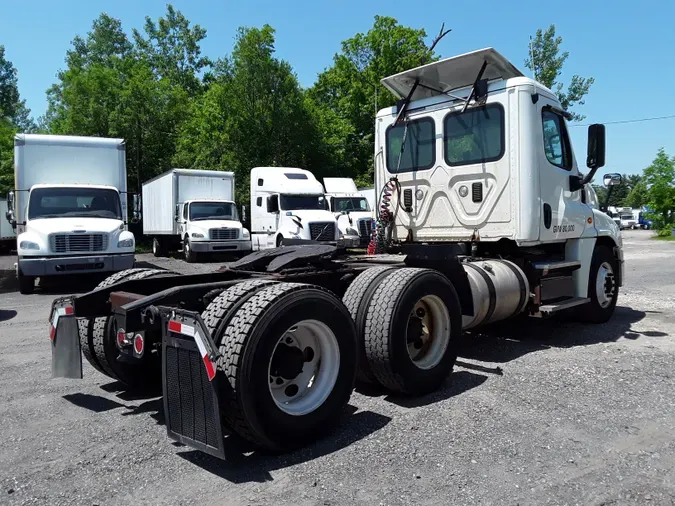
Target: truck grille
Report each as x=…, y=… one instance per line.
x=78, y=243
x=223, y=234
x=322, y=231
x=365, y=229
x=189, y=399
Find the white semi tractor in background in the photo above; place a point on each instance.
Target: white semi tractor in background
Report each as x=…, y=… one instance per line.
x=484, y=216
x=288, y=206
x=69, y=207
x=193, y=211
x=351, y=209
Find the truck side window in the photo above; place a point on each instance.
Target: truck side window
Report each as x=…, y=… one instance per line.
x=420, y=146
x=556, y=141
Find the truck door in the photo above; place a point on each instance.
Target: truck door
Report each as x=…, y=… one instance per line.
x=563, y=212
x=184, y=219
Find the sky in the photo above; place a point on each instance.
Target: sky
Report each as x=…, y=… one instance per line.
x=628, y=47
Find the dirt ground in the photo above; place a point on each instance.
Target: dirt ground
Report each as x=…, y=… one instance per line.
x=536, y=412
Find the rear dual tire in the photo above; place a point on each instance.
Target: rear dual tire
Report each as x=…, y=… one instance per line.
x=409, y=323
x=288, y=360
x=99, y=347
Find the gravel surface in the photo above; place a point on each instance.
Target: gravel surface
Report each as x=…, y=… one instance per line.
x=535, y=413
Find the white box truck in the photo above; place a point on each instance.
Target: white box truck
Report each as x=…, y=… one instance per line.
x=193, y=210
x=351, y=209
x=288, y=206
x=7, y=234
x=69, y=206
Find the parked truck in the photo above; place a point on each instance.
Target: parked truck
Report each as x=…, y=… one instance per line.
x=351, y=209
x=288, y=206
x=193, y=211
x=482, y=218
x=69, y=207
x=7, y=234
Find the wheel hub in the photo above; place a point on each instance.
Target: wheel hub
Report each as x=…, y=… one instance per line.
x=287, y=361
x=605, y=285
x=428, y=332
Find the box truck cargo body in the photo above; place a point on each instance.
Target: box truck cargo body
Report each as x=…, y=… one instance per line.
x=69, y=206
x=194, y=211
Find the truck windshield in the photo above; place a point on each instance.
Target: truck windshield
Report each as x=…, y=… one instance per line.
x=350, y=204
x=300, y=202
x=81, y=202
x=213, y=211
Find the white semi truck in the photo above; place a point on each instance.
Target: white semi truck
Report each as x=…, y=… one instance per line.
x=194, y=211
x=288, y=206
x=351, y=209
x=483, y=216
x=69, y=207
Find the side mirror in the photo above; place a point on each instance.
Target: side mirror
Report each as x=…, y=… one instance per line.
x=136, y=207
x=595, y=157
x=9, y=215
x=611, y=180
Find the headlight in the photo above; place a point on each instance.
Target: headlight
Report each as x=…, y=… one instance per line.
x=197, y=235
x=351, y=231
x=29, y=245
x=245, y=234
x=125, y=243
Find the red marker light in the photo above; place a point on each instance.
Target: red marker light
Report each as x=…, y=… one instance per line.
x=138, y=344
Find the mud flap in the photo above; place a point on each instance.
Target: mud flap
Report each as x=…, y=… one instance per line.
x=65, y=340
x=190, y=383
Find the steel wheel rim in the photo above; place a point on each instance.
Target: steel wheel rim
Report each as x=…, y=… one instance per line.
x=427, y=348
x=605, y=285
x=320, y=368
x=154, y=246
x=187, y=249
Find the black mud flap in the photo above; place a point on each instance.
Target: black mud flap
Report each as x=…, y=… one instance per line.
x=190, y=382
x=63, y=334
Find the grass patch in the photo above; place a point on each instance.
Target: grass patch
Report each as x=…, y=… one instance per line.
x=664, y=238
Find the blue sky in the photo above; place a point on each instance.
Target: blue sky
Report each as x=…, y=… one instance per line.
x=628, y=47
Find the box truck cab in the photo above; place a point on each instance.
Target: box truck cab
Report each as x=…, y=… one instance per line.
x=194, y=211
x=69, y=207
x=288, y=206
x=351, y=209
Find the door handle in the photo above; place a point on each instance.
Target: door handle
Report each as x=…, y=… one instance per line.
x=548, y=216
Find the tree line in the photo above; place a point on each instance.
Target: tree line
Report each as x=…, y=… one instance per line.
x=177, y=108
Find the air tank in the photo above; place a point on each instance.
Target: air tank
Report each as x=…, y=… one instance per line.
x=499, y=289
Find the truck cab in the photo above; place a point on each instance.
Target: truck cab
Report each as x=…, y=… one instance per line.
x=69, y=207
x=288, y=206
x=351, y=209
x=476, y=153
x=211, y=226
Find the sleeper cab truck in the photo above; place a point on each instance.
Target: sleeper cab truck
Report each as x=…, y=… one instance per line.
x=351, y=209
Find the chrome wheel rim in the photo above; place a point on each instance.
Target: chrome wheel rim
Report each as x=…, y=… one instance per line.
x=304, y=367
x=428, y=332
x=605, y=285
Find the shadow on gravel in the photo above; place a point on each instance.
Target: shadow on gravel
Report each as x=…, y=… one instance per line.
x=121, y=392
x=7, y=314
x=94, y=403
x=458, y=383
x=240, y=467
x=512, y=339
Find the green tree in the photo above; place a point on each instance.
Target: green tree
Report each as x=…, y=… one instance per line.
x=546, y=61
x=253, y=114
x=347, y=95
x=638, y=196
x=173, y=49
x=14, y=117
x=659, y=178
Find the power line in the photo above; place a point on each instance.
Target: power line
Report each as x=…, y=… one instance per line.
x=632, y=120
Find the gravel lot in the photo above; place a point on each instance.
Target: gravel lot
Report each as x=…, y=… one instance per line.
x=535, y=413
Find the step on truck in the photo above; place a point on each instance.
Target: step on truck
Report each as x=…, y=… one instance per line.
x=69, y=207
x=482, y=217
x=351, y=209
x=193, y=211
